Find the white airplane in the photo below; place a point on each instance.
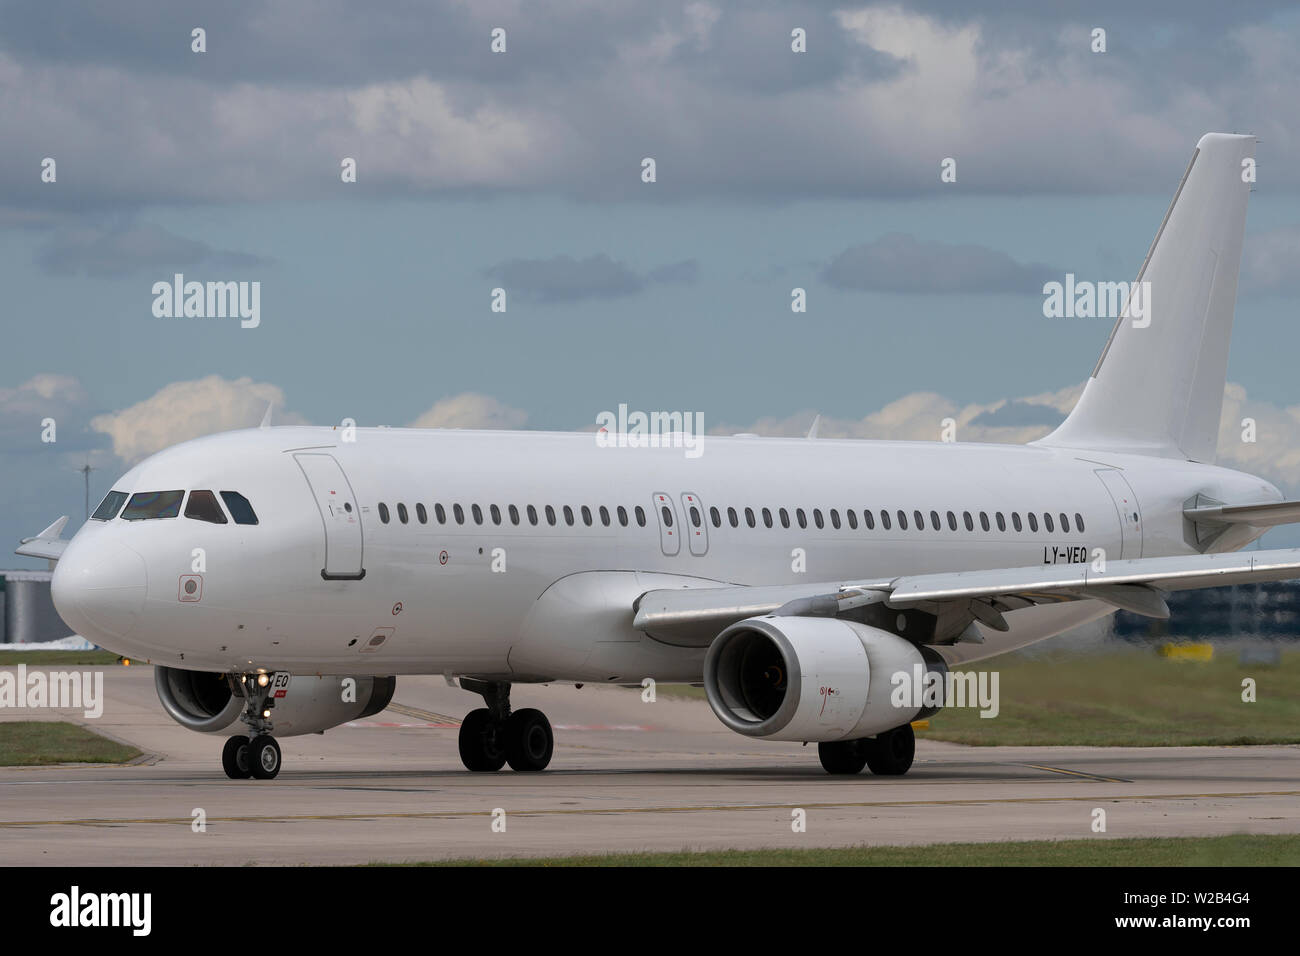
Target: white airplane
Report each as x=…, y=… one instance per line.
x=281, y=578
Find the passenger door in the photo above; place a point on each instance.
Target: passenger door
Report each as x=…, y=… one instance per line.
x=339, y=513
x=1126, y=506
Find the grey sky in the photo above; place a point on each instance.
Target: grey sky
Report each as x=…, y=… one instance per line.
x=775, y=170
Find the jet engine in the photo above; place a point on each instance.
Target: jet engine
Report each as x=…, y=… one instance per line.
x=211, y=704
x=818, y=679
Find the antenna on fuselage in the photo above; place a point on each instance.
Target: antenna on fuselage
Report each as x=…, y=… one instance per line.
x=266, y=419
x=812, y=432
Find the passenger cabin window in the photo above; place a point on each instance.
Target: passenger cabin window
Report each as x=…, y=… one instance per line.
x=952, y=521
x=984, y=520
x=640, y=516
x=550, y=516
x=902, y=519
x=767, y=517
x=110, y=506
x=920, y=520
x=532, y=515
x=835, y=519
x=1065, y=523
x=785, y=517
x=421, y=514
x=239, y=507
x=853, y=518
x=153, y=504
x=1015, y=520
x=496, y=514
x=801, y=517
x=586, y=516
x=1078, y=522
x=966, y=519
x=667, y=516
x=934, y=521
x=383, y=512
x=604, y=516
x=402, y=514
x=568, y=515
x=458, y=513
x=622, y=516
x=733, y=518
x=715, y=516
x=884, y=519
x=817, y=518
x=478, y=513
x=870, y=519
x=203, y=506
x=514, y=515
x=1033, y=521
x=749, y=517
x=1047, y=521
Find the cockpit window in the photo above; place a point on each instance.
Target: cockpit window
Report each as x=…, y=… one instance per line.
x=153, y=504
x=110, y=506
x=239, y=507
x=203, y=506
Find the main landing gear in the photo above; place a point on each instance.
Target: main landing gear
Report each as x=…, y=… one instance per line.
x=493, y=736
x=888, y=754
x=255, y=753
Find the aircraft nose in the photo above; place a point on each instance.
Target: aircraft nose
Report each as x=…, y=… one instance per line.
x=99, y=589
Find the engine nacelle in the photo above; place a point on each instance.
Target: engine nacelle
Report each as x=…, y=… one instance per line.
x=814, y=678
x=207, y=702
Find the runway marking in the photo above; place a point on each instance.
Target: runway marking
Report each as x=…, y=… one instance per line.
x=433, y=718
x=445, y=814
x=1077, y=773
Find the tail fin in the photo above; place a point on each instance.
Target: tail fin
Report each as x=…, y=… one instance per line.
x=1158, y=387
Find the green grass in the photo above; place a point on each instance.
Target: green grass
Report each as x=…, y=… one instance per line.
x=1236, y=850
x=66, y=658
x=1130, y=699
x=27, y=743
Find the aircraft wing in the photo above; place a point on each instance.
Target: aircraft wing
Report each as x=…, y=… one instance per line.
x=1137, y=585
x=48, y=544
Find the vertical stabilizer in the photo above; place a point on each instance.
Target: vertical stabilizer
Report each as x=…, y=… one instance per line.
x=1158, y=387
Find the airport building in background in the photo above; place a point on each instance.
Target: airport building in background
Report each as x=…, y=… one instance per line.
x=27, y=614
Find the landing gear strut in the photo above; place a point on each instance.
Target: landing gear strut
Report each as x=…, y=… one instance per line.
x=254, y=753
x=888, y=754
x=493, y=736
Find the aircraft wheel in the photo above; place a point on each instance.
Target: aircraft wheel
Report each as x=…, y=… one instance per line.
x=264, y=757
x=843, y=756
x=891, y=753
x=480, y=748
x=234, y=759
x=529, y=740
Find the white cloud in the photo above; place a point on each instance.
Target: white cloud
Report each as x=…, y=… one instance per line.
x=471, y=410
x=184, y=410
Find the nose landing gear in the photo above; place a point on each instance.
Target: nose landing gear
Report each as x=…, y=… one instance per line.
x=255, y=754
x=493, y=736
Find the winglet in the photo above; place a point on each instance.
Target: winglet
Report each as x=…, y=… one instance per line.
x=266, y=419
x=48, y=544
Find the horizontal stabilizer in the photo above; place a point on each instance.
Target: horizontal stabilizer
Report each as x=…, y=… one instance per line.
x=1264, y=515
